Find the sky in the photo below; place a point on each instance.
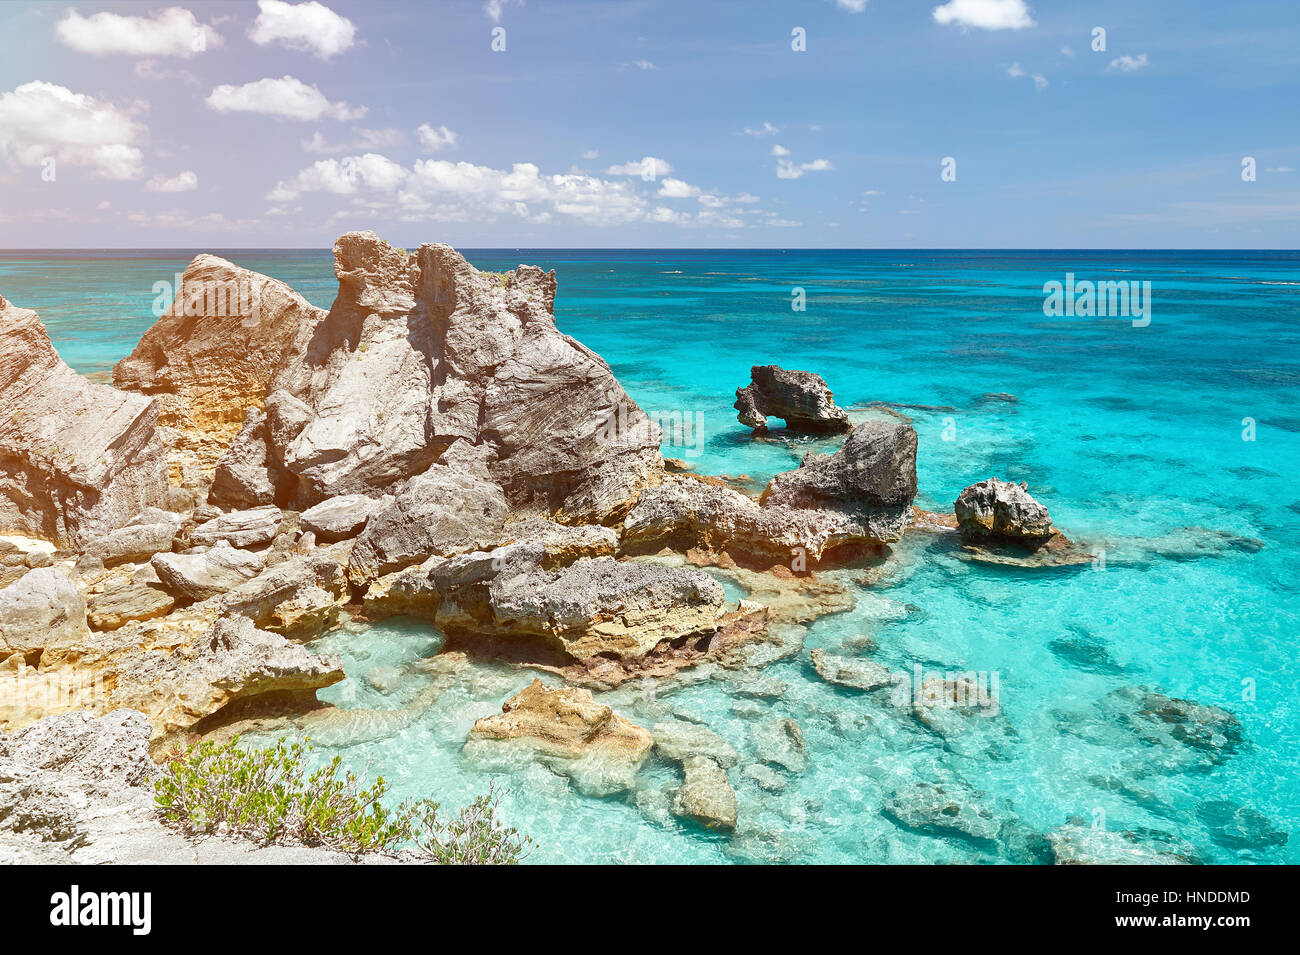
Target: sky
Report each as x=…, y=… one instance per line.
x=651, y=123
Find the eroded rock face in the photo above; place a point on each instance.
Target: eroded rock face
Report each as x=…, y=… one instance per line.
x=800, y=398
x=996, y=510
x=77, y=459
x=41, y=607
x=147, y=533
x=250, y=528
x=601, y=750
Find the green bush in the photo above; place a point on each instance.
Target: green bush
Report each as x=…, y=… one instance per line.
x=269, y=795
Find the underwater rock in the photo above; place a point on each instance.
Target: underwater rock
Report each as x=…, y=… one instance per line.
x=679, y=741
x=781, y=742
x=851, y=672
x=1002, y=511
x=950, y=808
x=77, y=459
x=1239, y=827
x=1200, y=736
x=706, y=795
x=765, y=777
x=1077, y=843
x=800, y=398
x=585, y=740
x=195, y=577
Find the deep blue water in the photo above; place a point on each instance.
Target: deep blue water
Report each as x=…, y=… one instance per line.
x=1130, y=435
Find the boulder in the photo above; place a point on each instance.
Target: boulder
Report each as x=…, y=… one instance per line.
x=679, y=741
x=1000, y=511
x=852, y=672
x=572, y=733
x=950, y=808
x=41, y=607
x=250, y=528
x=246, y=476
x=122, y=598
x=339, y=518
x=198, y=576
x=781, y=742
x=299, y=598
x=77, y=459
x=801, y=398
x=147, y=533
x=706, y=796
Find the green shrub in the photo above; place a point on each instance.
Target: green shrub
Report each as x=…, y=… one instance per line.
x=269, y=795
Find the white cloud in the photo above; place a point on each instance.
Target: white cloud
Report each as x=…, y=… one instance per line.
x=785, y=169
x=186, y=181
x=591, y=154
x=364, y=140
x=308, y=27
x=494, y=8
x=643, y=65
x=767, y=129
x=1015, y=70
x=1066, y=51
x=677, y=189
x=779, y=150
x=1128, y=64
x=343, y=177
x=662, y=214
x=436, y=139
x=286, y=97
x=853, y=6
x=40, y=121
x=647, y=168
x=170, y=32
x=985, y=14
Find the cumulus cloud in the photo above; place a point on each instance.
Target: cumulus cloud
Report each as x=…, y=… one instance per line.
x=985, y=14
x=1128, y=64
x=677, y=189
x=779, y=150
x=170, y=32
x=786, y=169
x=40, y=121
x=494, y=8
x=647, y=168
x=186, y=181
x=436, y=139
x=343, y=177
x=286, y=97
x=308, y=27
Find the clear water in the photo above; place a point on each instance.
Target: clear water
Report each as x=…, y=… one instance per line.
x=1128, y=434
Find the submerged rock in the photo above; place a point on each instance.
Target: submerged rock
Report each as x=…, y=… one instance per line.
x=950, y=808
x=1202, y=736
x=585, y=740
x=1079, y=844
x=781, y=742
x=679, y=741
x=852, y=672
x=801, y=398
x=1239, y=827
x=996, y=510
x=77, y=459
x=706, y=795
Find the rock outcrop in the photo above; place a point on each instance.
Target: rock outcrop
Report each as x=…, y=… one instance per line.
x=40, y=607
x=800, y=398
x=193, y=577
x=1002, y=512
x=572, y=733
x=418, y=352
x=77, y=459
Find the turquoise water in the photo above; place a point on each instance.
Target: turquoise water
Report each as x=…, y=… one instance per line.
x=1133, y=437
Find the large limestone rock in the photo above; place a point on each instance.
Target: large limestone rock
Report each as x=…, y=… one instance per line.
x=299, y=598
x=706, y=795
x=147, y=533
x=1000, y=511
x=572, y=733
x=801, y=398
x=250, y=528
x=418, y=352
x=77, y=459
x=338, y=518
x=43, y=606
x=200, y=576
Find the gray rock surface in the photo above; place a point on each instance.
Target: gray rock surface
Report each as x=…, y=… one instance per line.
x=338, y=518
x=1001, y=511
x=249, y=528
x=852, y=672
x=706, y=795
x=41, y=607
x=147, y=533
x=199, y=576
x=800, y=398
x=780, y=742
x=1079, y=844
x=77, y=459
x=247, y=476
x=679, y=741
x=950, y=808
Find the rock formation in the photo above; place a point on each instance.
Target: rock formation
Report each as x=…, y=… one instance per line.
x=801, y=398
x=1000, y=511
x=77, y=459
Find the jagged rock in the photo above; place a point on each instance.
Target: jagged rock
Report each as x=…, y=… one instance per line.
x=147, y=533
x=299, y=598
x=706, y=795
x=445, y=511
x=199, y=576
x=127, y=597
x=679, y=741
x=76, y=459
x=572, y=733
x=338, y=518
x=948, y=808
x=1002, y=511
x=852, y=672
x=562, y=543
x=781, y=742
x=41, y=607
x=246, y=476
x=1079, y=844
x=239, y=528
x=871, y=478
x=801, y=398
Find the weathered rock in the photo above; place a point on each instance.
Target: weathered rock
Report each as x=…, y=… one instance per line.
x=945, y=809
x=562, y=543
x=299, y=598
x=852, y=672
x=1200, y=736
x=239, y=528
x=573, y=734
x=147, y=533
x=199, y=576
x=1002, y=511
x=42, y=607
x=76, y=459
x=801, y=398
x=1079, y=844
x=781, y=742
x=706, y=795
x=124, y=598
x=679, y=741
x=246, y=476
x=339, y=518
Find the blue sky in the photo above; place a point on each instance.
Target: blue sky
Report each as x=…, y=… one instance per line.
x=651, y=123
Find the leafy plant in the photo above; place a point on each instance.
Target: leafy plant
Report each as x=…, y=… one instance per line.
x=270, y=796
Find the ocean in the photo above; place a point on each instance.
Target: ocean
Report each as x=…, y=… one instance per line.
x=1169, y=444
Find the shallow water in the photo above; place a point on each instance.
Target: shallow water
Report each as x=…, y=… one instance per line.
x=1129, y=435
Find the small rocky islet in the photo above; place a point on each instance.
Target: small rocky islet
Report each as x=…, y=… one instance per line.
x=433, y=447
